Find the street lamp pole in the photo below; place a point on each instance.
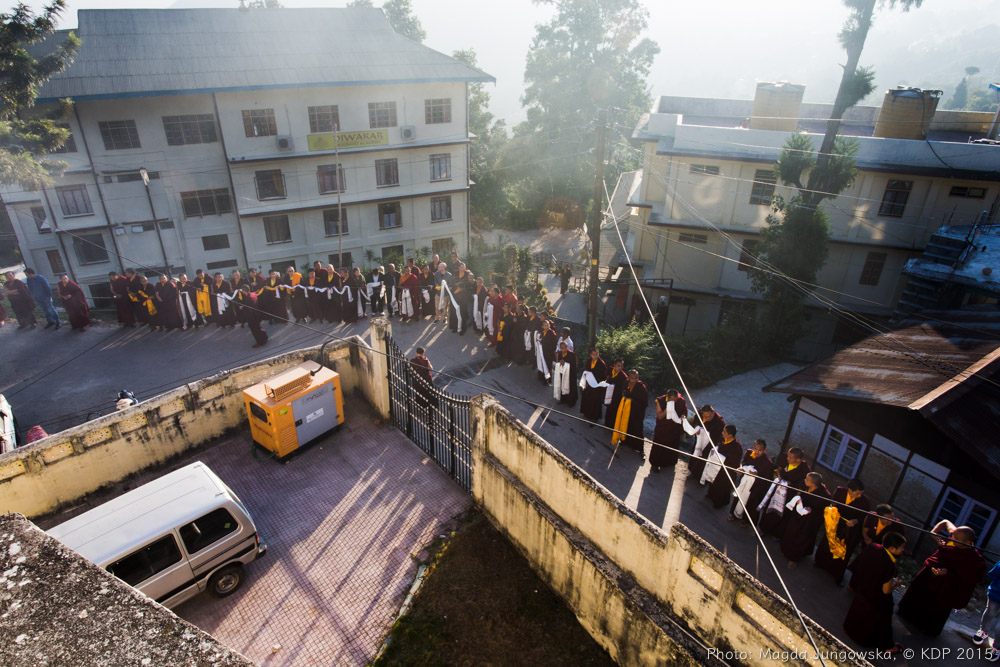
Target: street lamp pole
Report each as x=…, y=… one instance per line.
x=156, y=224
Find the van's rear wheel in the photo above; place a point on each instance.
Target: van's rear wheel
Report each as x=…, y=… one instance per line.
x=225, y=581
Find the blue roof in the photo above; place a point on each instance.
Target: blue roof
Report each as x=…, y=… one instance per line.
x=146, y=52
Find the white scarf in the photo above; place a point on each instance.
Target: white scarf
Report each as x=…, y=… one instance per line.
x=743, y=490
x=488, y=316
x=188, y=310
x=795, y=505
x=540, y=364
x=527, y=340
x=406, y=305
x=588, y=380
x=561, y=379
x=427, y=295
x=458, y=311
x=712, y=468
x=477, y=311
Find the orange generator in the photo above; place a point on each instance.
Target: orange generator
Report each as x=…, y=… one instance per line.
x=294, y=408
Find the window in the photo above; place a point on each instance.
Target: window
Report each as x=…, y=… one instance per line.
x=386, y=172
x=441, y=167
x=872, y=270
x=147, y=561
x=259, y=123
x=894, y=199
x=686, y=237
x=39, y=216
x=225, y=264
x=102, y=296
x=280, y=267
x=276, y=229
x=734, y=311
x=748, y=255
x=392, y=253
x=437, y=110
x=763, y=187
x=348, y=260
x=841, y=453
x=970, y=193
x=90, y=248
x=69, y=146
x=440, y=209
x=711, y=170
x=207, y=530
x=199, y=203
x=442, y=246
x=330, y=218
x=215, y=242
x=381, y=114
x=324, y=118
x=74, y=200
x=270, y=184
x=962, y=510
x=191, y=129
x=56, y=262
x=330, y=178
x=119, y=134
x=389, y=215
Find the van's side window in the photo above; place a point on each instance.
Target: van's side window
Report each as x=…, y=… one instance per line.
x=147, y=561
x=207, y=530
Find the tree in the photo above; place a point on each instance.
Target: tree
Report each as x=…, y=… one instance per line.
x=588, y=57
x=400, y=16
x=794, y=243
x=26, y=134
x=960, y=99
x=490, y=203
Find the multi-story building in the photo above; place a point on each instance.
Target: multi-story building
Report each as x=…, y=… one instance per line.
x=217, y=138
x=695, y=210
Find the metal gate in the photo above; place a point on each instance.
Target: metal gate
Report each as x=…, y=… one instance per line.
x=437, y=421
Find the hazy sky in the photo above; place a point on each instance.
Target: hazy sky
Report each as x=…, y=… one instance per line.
x=717, y=48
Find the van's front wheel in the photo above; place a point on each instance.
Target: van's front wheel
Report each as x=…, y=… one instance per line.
x=225, y=581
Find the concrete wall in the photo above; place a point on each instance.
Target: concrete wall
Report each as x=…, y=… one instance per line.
x=58, y=470
x=647, y=597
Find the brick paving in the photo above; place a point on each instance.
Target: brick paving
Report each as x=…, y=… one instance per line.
x=343, y=521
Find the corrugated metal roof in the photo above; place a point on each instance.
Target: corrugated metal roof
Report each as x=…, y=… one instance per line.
x=943, y=364
x=139, y=52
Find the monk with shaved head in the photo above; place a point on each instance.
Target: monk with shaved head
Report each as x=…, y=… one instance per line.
x=946, y=581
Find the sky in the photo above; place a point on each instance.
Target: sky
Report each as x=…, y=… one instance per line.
x=709, y=48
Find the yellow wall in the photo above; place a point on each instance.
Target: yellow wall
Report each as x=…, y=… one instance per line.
x=62, y=468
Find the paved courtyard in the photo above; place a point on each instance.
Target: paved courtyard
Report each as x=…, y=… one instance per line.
x=344, y=521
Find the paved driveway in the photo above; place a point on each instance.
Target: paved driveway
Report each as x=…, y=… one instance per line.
x=343, y=521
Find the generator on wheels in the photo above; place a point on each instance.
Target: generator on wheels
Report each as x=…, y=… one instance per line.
x=294, y=408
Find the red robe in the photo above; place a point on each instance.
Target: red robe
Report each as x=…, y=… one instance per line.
x=929, y=598
x=123, y=304
x=668, y=433
x=75, y=303
x=869, y=620
x=411, y=282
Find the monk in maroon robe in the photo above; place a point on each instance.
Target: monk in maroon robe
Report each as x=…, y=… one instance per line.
x=714, y=424
x=853, y=506
x=869, y=620
x=75, y=303
x=946, y=581
x=801, y=526
x=592, y=400
x=168, y=311
x=223, y=311
x=423, y=382
x=667, y=432
x=123, y=304
x=721, y=489
x=793, y=471
x=21, y=301
x=757, y=458
x=411, y=284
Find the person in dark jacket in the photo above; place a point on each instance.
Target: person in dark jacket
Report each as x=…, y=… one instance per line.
x=41, y=291
x=21, y=301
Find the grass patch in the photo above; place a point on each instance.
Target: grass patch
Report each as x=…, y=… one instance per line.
x=482, y=604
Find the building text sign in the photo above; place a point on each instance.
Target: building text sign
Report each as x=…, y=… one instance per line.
x=325, y=142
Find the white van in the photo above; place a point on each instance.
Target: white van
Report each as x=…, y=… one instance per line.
x=171, y=538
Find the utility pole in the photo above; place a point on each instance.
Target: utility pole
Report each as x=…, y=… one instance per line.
x=595, y=228
x=156, y=224
x=340, y=187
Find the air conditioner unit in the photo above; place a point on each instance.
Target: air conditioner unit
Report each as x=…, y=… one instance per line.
x=408, y=132
x=285, y=143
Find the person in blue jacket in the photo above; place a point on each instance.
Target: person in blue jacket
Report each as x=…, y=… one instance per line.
x=42, y=292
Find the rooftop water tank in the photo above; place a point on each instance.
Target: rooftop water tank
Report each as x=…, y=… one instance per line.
x=906, y=113
x=776, y=106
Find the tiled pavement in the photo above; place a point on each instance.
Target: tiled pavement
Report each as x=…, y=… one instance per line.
x=343, y=521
